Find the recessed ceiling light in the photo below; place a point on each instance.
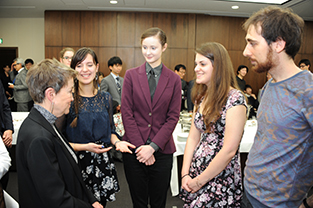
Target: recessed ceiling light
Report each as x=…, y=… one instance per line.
x=262, y=1
x=113, y=2
x=235, y=7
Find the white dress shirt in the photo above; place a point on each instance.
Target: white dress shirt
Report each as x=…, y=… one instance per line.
x=5, y=160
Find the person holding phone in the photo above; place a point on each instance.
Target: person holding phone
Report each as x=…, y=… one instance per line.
x=90, y=128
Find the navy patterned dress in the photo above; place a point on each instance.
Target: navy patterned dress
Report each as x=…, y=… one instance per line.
x=225, y=190
x=95, y=124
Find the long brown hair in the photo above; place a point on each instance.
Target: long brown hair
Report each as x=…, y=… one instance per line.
x=222, y=78
x=79, y=57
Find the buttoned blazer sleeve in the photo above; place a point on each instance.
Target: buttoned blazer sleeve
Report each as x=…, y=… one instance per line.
x=5, y=110
x=128, y=109
x=46, y=169
x=5, y=160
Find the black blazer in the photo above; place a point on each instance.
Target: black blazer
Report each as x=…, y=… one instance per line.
x=48, y=175
x=5, y=112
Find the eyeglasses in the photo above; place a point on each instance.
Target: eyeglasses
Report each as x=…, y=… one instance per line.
x=67, y=58
x=302, y=65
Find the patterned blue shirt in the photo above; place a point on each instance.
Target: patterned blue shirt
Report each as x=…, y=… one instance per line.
x=280, y=163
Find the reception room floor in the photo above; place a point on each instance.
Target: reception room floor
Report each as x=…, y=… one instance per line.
x=122, y=198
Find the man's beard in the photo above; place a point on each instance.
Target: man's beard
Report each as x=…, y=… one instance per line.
x=265, y=66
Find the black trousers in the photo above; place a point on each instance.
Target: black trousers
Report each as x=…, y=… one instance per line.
x=148, y=184
x=2, y=203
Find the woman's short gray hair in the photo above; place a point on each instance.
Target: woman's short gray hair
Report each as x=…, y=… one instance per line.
x=48, y=73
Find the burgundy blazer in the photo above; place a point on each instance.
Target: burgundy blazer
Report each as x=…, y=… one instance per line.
x=158, y=119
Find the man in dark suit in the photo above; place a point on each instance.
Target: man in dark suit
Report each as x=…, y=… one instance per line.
x=20, y=93
x=241, y=73
x=113, y=83
x=180, y=70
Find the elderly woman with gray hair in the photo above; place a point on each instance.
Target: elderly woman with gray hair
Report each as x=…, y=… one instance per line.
x=47, y=166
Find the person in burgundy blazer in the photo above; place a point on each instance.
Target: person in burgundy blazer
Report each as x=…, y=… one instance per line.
x=149, y=123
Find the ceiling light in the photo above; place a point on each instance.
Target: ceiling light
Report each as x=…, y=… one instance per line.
x=113, y=2
x=235, y=7
x=262, y=1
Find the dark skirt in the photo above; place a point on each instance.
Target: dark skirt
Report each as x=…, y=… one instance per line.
x=99, y=174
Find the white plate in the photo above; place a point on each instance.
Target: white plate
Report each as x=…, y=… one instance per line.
x=186, y=115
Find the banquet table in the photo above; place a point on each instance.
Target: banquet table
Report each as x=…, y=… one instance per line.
x=18, y=118
x=245, y=146
x=179, y=139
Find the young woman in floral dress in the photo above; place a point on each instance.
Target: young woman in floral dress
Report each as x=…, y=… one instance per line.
x=211, y=174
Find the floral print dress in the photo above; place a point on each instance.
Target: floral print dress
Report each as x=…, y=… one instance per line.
x=95, y=124
x=225, y=190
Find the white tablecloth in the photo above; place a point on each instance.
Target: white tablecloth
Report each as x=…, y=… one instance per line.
x=245, y=146
x=18, y=118
x=9, y=201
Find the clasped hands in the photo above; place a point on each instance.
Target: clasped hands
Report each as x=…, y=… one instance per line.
x=190, y=184
x=144, y=154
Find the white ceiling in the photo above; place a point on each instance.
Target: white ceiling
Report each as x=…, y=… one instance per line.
x=36, y=8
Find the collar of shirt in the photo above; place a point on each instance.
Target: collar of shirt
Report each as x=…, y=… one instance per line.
x=51, y=119
x=157, y=70
x=19, y=71
x=46, y=114
x=114, y=76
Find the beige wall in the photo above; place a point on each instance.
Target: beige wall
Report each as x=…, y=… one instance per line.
x=25, y=33
x=111, y=33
